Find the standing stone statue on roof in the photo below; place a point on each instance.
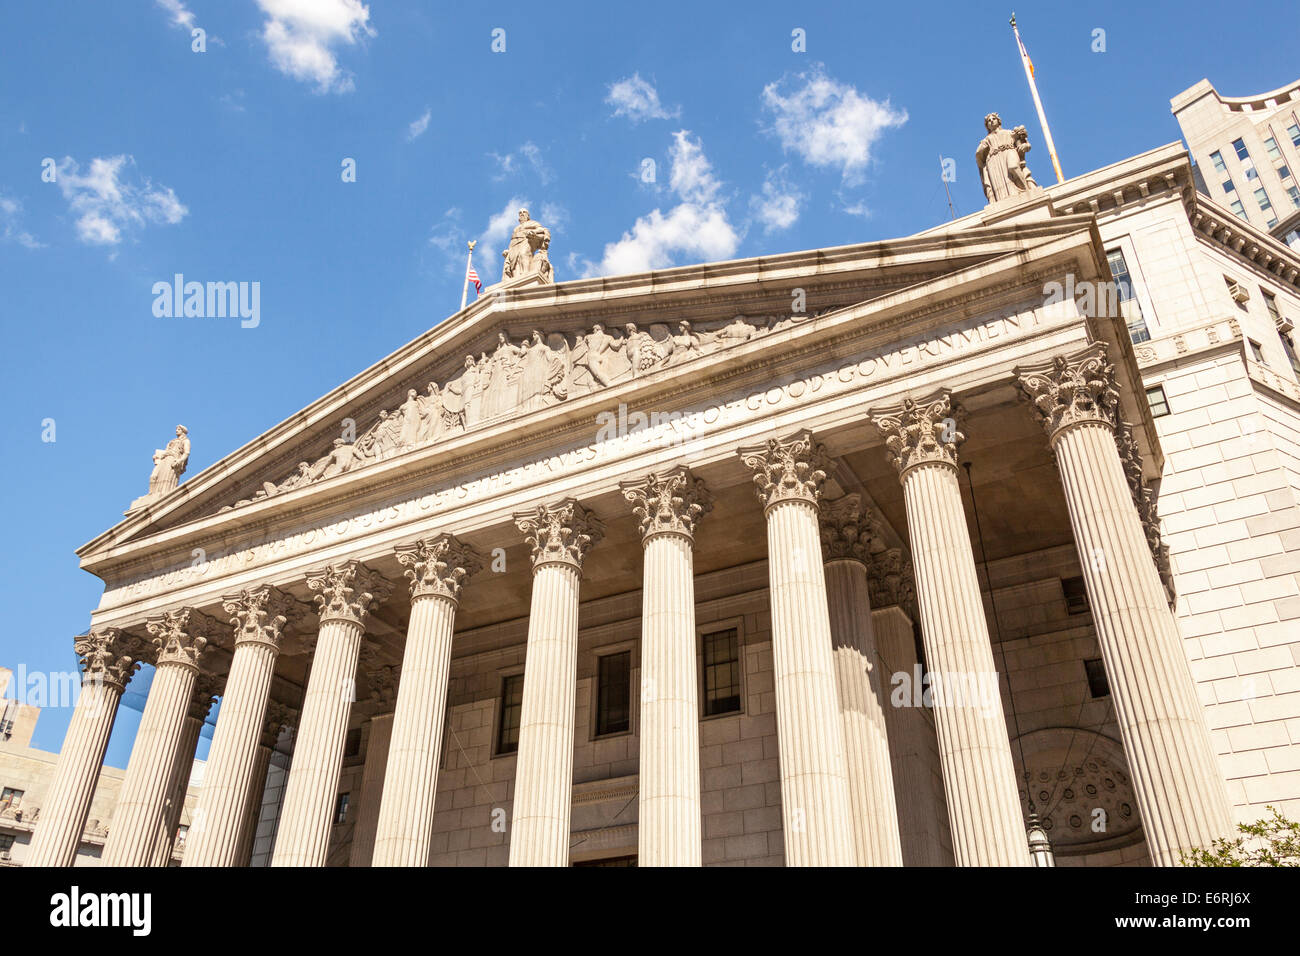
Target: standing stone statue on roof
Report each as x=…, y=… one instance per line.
x=527, y=253
x=1001, y=160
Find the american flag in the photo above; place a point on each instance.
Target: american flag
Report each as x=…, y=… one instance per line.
x=472, y=276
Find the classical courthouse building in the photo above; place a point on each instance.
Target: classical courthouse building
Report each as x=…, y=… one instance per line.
x=880, y=554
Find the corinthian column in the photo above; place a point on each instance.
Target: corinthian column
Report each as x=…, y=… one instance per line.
x=669, y=505
x=560, y=535
x=108, y=660
x=818, y=825
x=437, y=568
x=260, y=616
x=846, y=537
x=1180, y=790
x=141, y=817
x=206, y=688
x=348, y=592
x=978, y=774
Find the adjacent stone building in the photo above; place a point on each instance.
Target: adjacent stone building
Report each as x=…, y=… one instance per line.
x=860, y=555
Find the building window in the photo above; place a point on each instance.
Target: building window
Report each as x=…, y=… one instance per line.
x=1076, y=595
x=1270, y=146
x=6, y=844
x=352, y=742
x=1288, y=346
x=182, y=833
x=341, y=809
x=609, y=861
x=1219, y=165
x=721, y=672
x=613, y=693
x=1157, y=401
x=1239, y=210
x=512, y=705
x=1256, y=352
x=10, y=798
x=1098, y=685
x=1283, y=171
x=1137, y=326
x=1228, y=186
x=1294, y=193
x=1270, y=302
x=1292, y=238
x=1294, y=132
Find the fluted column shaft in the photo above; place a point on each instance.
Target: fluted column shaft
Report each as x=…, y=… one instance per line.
x=866, y=743
x=346, y=593
x=544, y=768
x=372, y=790
x=1177, y=781
x=560, y=536
x=140, y=820
x=63, y=815
x=176, y=789
x=668, y=823
x=411, y=781
x=921, y=815
x=669, y=505
x=228, y=778
x=253, y=809
x=307, y=816
x=810, y=733
x=974, y=748
x=1179, y=789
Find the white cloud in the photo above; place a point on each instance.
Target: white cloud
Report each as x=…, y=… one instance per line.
x=512, y=163
x=697, y=227
x=777, y=207
x=638, y=100
x=105, y=203
x=301, y=36
x=181, y=15
x=828, y=123
x=11, y=214
x=417, y=127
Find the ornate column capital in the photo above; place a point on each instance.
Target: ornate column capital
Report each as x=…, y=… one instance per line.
x=349, y=591
x=561, y=533
x=788, y=469
x=438, y=566
x=1144, y=500
x=847, y=529
x=207, y=687
x=261, y=615
x=921, y=432
x=278, y=716
x=108, y=656
x=668, y=502
x=889, y=578
x=1074, y=389
x=181, y=635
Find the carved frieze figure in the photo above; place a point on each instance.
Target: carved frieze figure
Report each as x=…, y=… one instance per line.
x=542, y=371
x=527, y=253
x=169, y=463
x=1001, y=160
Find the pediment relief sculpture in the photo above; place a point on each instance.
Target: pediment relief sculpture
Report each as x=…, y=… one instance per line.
x=525, y=376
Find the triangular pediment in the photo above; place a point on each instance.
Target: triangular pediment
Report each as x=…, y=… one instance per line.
x=524, y=350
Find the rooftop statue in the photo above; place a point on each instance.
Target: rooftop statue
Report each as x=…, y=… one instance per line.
x=1001, y=160
x=527, y=253
x=168, y=466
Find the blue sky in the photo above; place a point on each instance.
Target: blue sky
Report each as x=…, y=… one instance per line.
x=225, y=165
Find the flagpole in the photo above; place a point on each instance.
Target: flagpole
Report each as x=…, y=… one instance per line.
x=469, y=260
x=1038, y=103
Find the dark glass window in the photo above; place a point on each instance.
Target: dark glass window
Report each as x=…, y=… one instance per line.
x=721, y=672
x=1156, y=399
x=609, y=861
x=512, y=704
x=613, y=693
x=1076, y=595
x=352, y=743
x=341, y=809
x=1098, y=685
x=10, y=797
